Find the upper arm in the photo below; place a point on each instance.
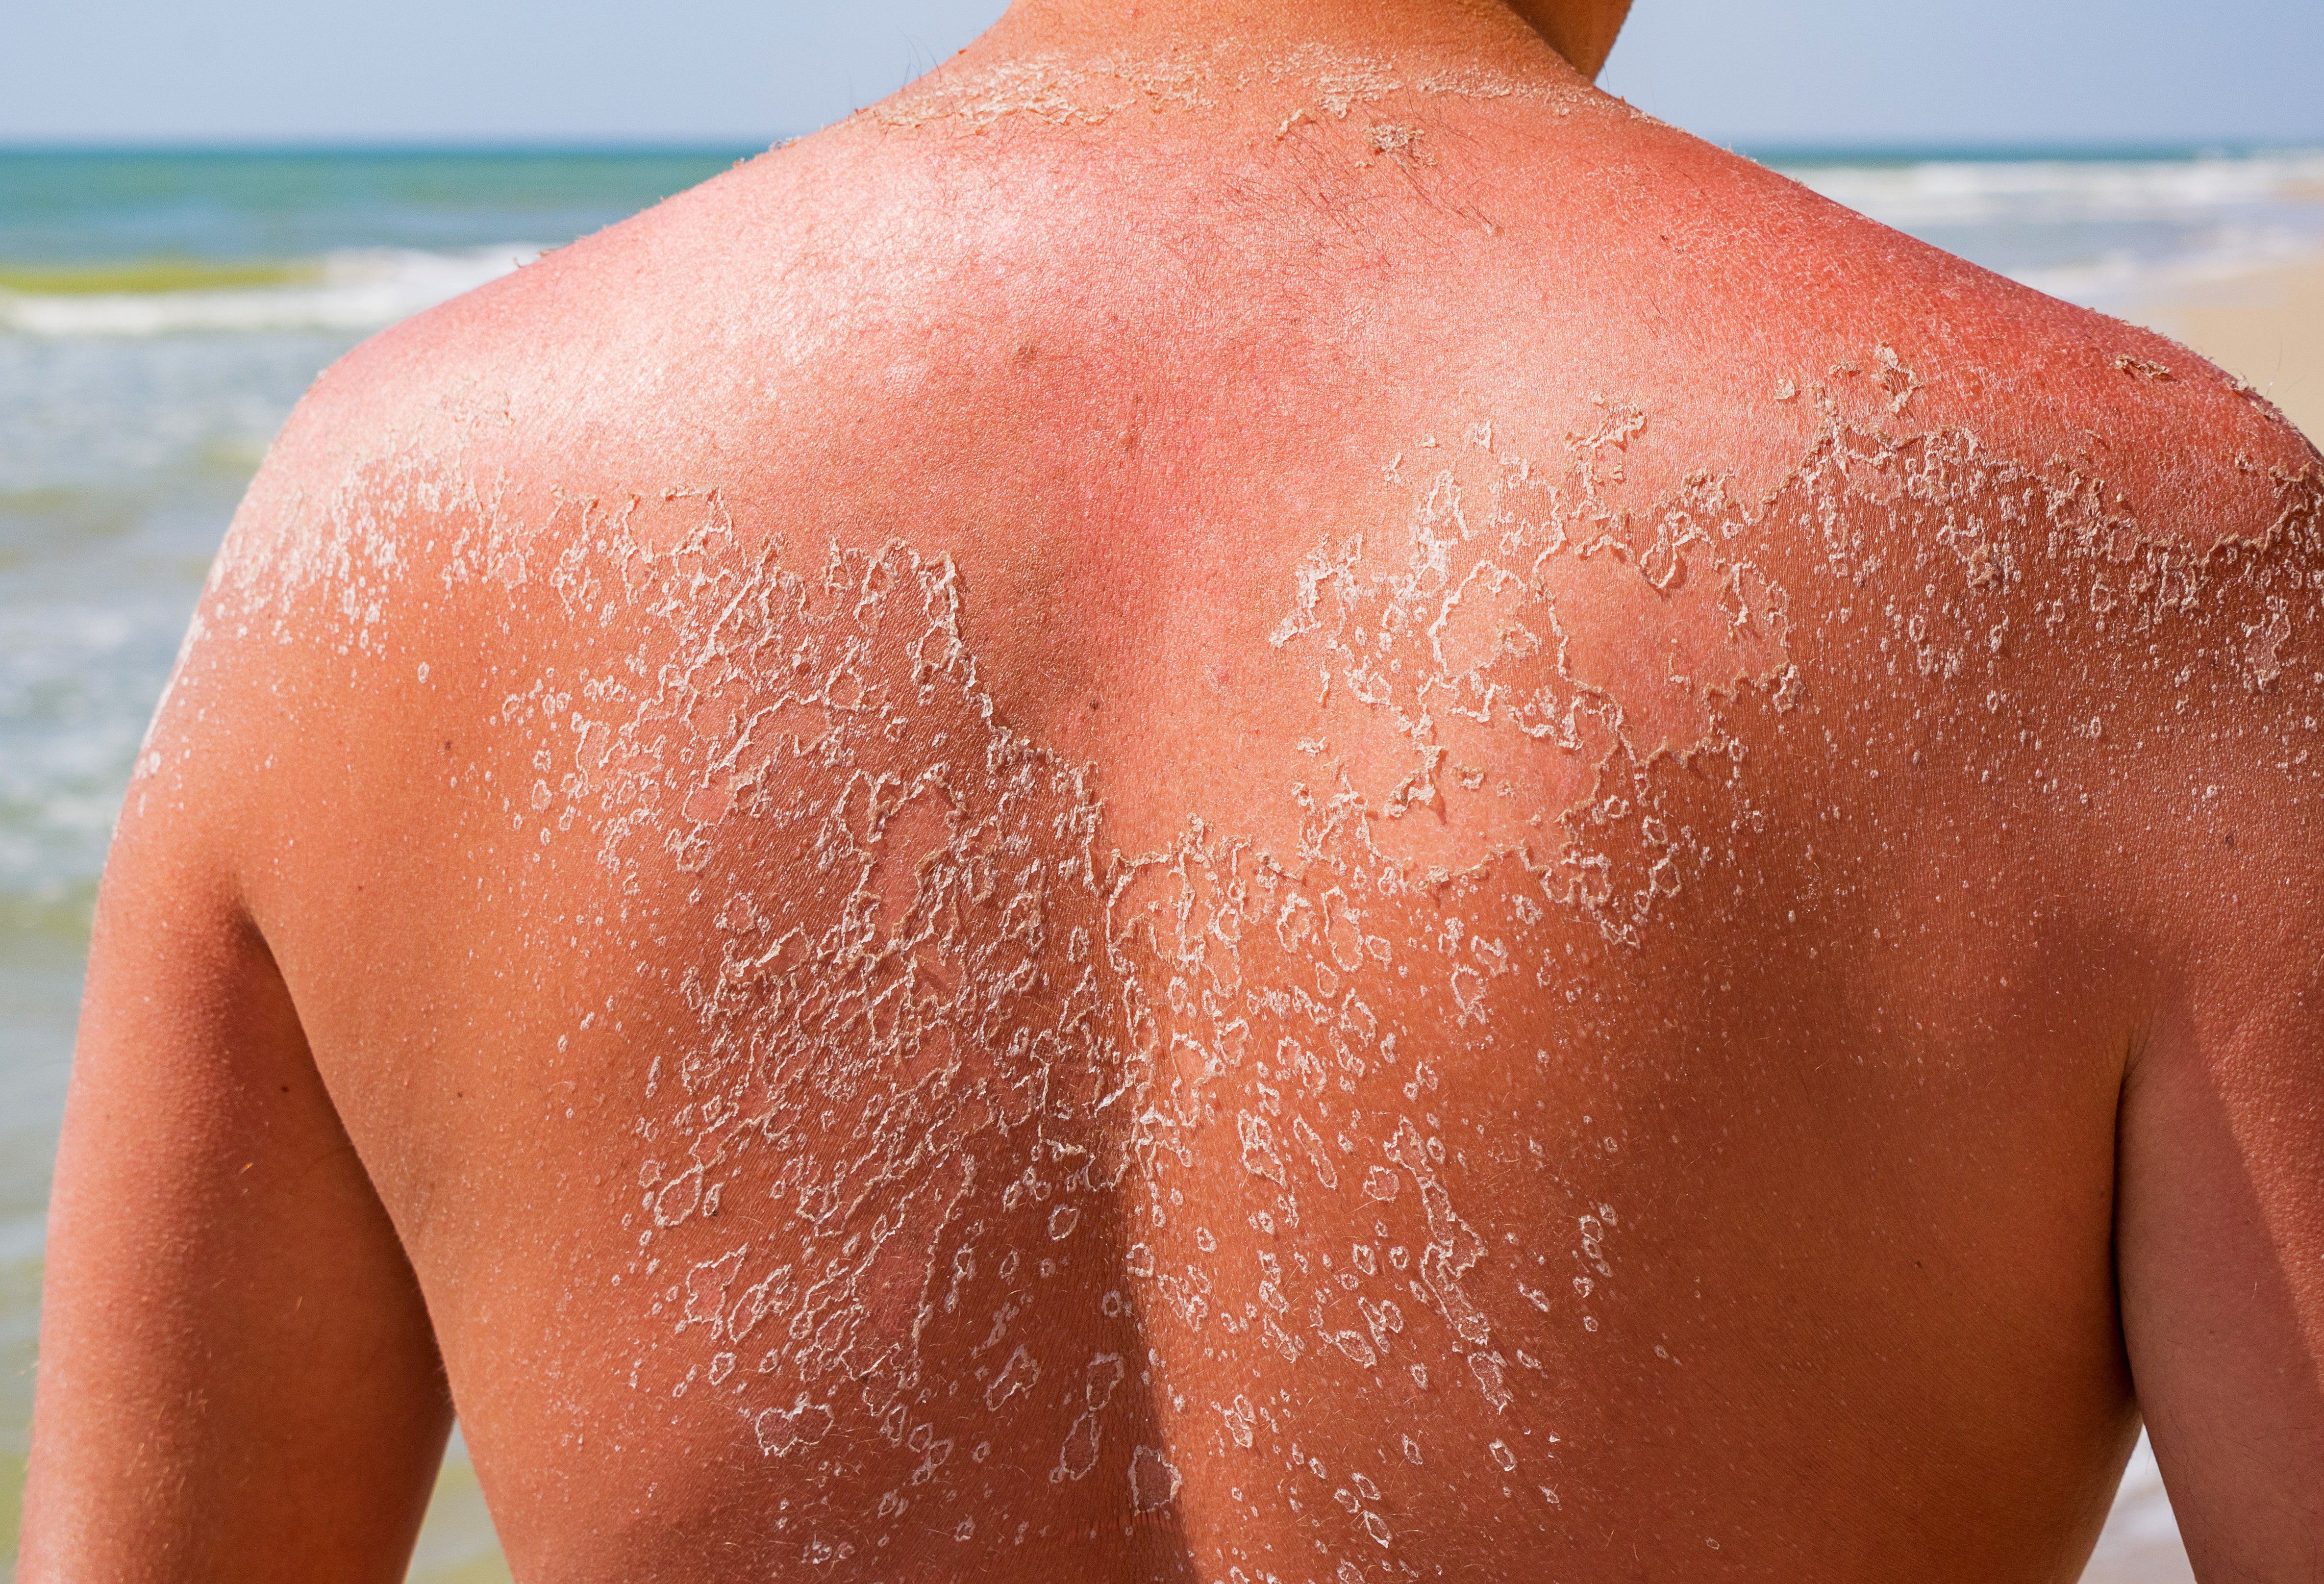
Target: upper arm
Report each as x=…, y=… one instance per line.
x=2220, y=1244
x=237, y=1378
x=2220, y=1205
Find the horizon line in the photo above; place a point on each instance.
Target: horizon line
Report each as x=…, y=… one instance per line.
x=394, y=145
x=1764, y=150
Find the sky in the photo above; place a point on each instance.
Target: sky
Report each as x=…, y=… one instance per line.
x=745, y=72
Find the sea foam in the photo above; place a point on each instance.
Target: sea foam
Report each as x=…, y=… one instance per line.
x=349, y=290
x=2111, y=233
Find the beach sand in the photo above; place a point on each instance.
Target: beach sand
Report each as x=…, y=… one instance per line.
x=2266, y=326
x=2141, y=1543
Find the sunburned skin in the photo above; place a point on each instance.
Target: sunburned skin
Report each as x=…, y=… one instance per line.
x=1399, y=882
x=1306, y=81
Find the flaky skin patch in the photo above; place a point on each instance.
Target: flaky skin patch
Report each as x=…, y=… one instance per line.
x=937, y=1105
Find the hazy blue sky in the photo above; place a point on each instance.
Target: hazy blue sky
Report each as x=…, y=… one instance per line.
x=745, y=71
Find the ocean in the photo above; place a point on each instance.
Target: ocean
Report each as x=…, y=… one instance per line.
x=161, y=311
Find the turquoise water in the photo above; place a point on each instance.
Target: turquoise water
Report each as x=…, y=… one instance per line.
x=74, y=206
x=160, y=312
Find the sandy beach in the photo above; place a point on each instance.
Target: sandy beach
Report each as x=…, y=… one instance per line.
x=2141, y=1544
x=2266, y=326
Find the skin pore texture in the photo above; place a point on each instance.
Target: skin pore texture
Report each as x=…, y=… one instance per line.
x=1247, y=797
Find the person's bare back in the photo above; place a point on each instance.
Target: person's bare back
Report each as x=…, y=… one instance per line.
x=1300, y=809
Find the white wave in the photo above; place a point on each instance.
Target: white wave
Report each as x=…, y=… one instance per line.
x=2121, y=280
x=2107, y=234
x=1983, y=192
x=354, y=289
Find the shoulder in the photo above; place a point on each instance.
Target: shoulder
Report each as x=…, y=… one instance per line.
x=1791, y=277
x=1959, y=403
x=2000, y=516
x=631, y=320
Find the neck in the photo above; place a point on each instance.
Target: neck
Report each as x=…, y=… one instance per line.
x=1513, y=36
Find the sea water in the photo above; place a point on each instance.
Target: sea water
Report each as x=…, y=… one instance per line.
x=161, y=313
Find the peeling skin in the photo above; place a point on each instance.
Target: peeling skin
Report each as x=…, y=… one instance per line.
x=1371, y=995
x=1312, y=79
x=957, y=1105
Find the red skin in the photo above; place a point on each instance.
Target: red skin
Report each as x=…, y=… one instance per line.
x=1912, y=1226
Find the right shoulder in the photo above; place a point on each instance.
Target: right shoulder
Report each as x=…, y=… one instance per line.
x=2082, y=558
